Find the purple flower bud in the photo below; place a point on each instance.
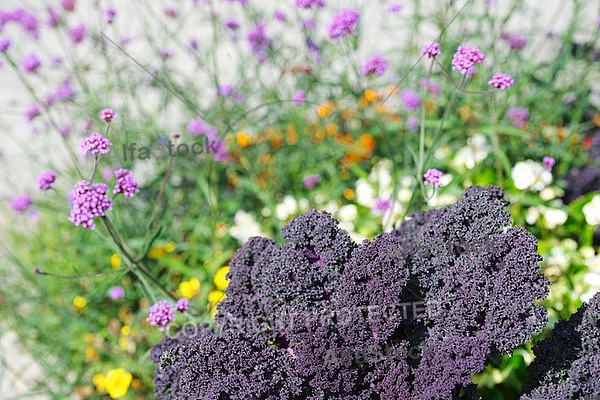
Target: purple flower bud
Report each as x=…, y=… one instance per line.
x=46, y=180
x=116, y=292
x=432, y=176
x=311, y=181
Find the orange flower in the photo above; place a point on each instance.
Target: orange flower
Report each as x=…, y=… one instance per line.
x=370, y=95
x=292, y=135
x=243, y=138
x=561, y=133
x=430, y=107
x=596, y=119
x=349, y=194
x=319, y=135
x=325, y=109
x=331, y=129
x=381, y=108
x=267, y=158
x=367, y=141
x=277, y=142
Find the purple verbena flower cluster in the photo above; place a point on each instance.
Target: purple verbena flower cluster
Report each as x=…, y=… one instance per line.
x=63, y=92
x=410, y=99
x=87, y=202
x=27, y=20
x=514, y=41
x=182, y=305
x=343, y=23
x=501, y=81
x=163, y=312
x=259, y=41
x=433, y=176
x=107, y=115
x=31, y=112
x=518, y=116
x=466, y=57
x=310, y=3
x=377, y=65
x=296, y=313
x=31, y=63
x=21, y=203
x=95, y=143
x=46, y=180
x=77, y=33
x=197, y=127
x=126, y=184
x=431, y=50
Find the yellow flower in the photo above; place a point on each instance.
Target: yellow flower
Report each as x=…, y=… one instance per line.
x=215, y=296
x=331, y=129
x=381, y=109
x=170, y=247
x=220, y=281
x=115, y=261
x=91, y=353
x=125, y=344
x=98, y=380
x=125, y=330
x=430, y=107
x=189, y=289
x=325, y=109
x=292, y=134
x=79, y=302
x=221, y=229
x=156, y=252
x=117, y=382
x=370, y=95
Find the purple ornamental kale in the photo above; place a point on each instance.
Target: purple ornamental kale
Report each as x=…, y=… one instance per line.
x=331, y=319
x=567, y=364
x=202, y=364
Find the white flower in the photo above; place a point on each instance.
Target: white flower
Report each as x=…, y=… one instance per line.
x=592, y=278
x=348, y=213
x=591, y=211
x=331, y=207
x=530, y=175
x=554, y=217
x=303, y=205
x=475, y=151
x=286, y=208
x=551, y=193
x=533, y=213
x=365, y=194
x=245, y=227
